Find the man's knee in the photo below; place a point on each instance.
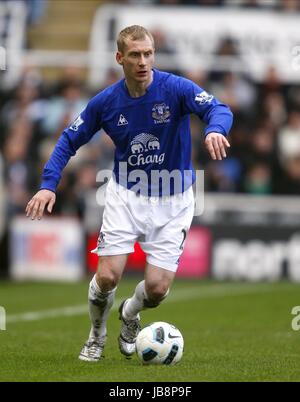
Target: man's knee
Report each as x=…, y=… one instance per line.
x=107, y=276
x=156, y=293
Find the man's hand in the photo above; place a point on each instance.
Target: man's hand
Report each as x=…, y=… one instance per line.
x=35, y=207
x=216, y=145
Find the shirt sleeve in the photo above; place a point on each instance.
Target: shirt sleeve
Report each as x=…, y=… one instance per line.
x=71, y=139
x=215, y=114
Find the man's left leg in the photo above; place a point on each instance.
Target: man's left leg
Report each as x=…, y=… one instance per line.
x=149, y=293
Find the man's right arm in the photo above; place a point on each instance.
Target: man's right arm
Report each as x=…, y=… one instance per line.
x=72, y=138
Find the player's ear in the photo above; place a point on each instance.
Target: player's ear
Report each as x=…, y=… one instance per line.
x=119, y=58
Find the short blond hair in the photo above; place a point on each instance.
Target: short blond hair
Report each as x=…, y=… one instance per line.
x=134, y=32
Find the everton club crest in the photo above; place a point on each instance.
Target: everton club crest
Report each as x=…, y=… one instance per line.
x=161, y=113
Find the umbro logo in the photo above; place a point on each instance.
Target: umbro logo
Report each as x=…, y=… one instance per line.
x=122, y=121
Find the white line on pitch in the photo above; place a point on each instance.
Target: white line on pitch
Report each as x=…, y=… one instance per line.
x=177, y=295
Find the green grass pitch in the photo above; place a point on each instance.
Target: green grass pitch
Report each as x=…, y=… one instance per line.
x=232, y=332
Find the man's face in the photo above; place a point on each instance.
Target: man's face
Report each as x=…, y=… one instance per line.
x=137, y=60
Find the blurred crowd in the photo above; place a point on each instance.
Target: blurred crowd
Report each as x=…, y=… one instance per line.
x=264, y=157
x=35, y=10
x=265, y=140
x=280, y=5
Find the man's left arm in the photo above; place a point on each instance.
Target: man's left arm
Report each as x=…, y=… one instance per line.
x=218, y=117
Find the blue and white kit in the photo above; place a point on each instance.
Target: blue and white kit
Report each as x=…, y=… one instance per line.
x=151, y=133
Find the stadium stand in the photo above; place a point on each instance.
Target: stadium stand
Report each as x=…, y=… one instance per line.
x=13, y=15
x=265, y=152
x=265, y=147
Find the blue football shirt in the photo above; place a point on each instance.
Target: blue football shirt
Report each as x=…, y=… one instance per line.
x=151, y=133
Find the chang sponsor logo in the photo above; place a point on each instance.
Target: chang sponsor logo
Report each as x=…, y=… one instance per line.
x=138, y=160
x=143, y=143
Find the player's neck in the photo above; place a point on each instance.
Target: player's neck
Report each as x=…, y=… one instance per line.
x=137, y=89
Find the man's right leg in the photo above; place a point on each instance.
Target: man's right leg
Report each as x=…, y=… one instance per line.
x=148, y=293
x=101, y=296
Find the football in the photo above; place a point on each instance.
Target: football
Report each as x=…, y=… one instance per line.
x=159, y=343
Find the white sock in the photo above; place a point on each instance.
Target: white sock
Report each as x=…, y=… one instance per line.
x=100, y=304
x=136, y=303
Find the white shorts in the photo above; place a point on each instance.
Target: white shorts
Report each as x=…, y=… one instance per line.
x=160, y=224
